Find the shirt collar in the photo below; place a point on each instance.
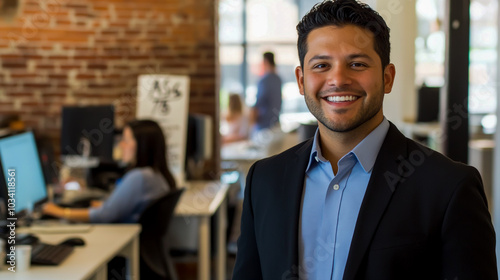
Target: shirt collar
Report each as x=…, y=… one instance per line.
x=315, y=155
x=366, y=151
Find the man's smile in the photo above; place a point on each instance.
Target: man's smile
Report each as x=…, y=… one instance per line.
x=341, y=98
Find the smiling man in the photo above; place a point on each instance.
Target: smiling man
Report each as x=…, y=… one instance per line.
x=359, y=200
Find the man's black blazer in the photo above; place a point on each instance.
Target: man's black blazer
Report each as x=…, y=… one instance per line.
x=423, y=216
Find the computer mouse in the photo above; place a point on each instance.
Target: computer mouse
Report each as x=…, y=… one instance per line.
x=27, y=239
x=73, y=241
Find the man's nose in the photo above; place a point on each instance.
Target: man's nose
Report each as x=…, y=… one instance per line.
x=339, y=76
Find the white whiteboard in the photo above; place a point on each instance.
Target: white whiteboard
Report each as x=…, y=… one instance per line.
x=165, y=99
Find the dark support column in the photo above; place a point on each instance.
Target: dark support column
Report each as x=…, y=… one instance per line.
x=455, y=94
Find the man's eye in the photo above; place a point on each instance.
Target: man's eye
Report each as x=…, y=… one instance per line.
x=358, y=65
x=320, y=66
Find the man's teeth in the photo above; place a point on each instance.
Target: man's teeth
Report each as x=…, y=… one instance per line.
x=341, y=98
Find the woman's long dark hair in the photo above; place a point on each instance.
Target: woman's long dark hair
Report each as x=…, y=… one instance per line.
x=151, y=149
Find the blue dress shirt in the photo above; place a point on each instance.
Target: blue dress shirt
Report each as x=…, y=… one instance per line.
x=330, y=206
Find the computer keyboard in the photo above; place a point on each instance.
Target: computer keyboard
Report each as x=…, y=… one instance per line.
x=47, y=254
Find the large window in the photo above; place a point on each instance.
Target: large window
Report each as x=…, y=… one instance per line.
x=247, y=29
x=430, y=43
x=430, y=47
x=483, y=56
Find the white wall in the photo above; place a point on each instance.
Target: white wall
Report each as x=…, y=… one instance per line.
x=496, y=166
x=496, y=177
x=401, y=18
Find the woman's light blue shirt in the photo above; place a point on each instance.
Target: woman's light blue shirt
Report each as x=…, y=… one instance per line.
x=135, y=191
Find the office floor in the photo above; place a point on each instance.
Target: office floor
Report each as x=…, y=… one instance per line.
x=186, y=265
x=187, y=269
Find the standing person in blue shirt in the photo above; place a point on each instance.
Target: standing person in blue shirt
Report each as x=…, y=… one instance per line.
x=266, y=112
x=359, y=200
x=143, y=149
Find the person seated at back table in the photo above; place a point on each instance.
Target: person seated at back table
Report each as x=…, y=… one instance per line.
x=235, y=120
x=143, y=149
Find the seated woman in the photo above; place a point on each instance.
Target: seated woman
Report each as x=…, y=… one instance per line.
x=143, y=149
x=235, y=126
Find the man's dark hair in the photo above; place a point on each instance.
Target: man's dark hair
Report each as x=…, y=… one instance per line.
x=269, y=57
x=341, y=13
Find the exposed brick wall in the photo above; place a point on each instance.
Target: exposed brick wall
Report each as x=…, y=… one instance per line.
x=88, y=52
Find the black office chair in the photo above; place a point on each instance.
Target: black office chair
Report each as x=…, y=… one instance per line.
x=155, y=220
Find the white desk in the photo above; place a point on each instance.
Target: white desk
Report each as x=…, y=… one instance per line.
x=431, y=131
x=242, y=151
x=203, y=199
x=103, y=242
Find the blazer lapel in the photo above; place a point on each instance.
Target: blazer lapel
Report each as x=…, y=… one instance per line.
x=383, y=182
x=293, y=181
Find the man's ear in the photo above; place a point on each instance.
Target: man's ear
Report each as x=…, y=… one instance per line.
x=389, y=75
x=299, y=75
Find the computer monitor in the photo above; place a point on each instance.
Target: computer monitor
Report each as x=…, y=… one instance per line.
x=199, y=137
x=198, y=144
x=88, y=129
x=21, y=172
x=428, y=104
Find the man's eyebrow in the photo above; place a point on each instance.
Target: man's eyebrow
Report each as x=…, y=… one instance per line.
x=318, y=57
x=360, y=55
x=350, y=57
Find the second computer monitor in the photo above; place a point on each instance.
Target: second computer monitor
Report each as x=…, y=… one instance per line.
x=88, y=129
